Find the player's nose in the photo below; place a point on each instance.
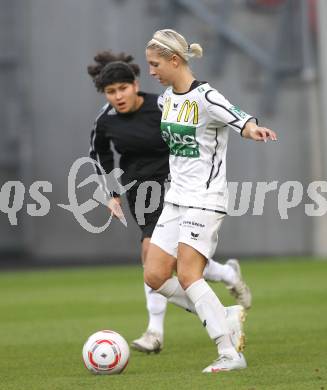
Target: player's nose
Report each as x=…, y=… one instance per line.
x=152, y=71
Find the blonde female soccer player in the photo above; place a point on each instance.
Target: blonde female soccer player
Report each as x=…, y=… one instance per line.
x=131, y=122
x=194, y=124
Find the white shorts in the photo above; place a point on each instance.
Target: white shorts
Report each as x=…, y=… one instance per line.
x=195, y=227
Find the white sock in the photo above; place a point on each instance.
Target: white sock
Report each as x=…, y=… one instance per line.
x=156, y=305
x=225, y=346
x=217, y=272
x=212, y=315
x=200, y=299
x=209, y=309
x=174, y=292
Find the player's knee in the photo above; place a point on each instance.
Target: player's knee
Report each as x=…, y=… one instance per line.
x=183, y=282
x=155, y=277
x=152, y=279
x=149, y=278
x=185, y=279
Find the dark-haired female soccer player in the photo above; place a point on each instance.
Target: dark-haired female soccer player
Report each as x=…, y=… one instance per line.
x=131, y=122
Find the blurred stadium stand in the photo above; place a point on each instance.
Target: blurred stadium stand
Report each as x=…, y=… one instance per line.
x=267, y=56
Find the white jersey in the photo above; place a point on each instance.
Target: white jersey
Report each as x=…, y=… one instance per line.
x=195, y=127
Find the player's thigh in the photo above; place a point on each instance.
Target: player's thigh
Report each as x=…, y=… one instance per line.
x=199, y=229
x=166, y=232
x=198, y=240
x=161, y=257
x=147, y=231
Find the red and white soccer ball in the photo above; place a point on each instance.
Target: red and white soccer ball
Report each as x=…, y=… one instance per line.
x=106, y=352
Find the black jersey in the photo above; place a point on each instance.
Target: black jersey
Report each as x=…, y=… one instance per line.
x=136, y=136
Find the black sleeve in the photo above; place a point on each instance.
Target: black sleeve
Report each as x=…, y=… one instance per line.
x=100, y=151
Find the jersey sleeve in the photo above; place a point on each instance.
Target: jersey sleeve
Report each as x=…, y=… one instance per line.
x=220, y=109
x=100, y=151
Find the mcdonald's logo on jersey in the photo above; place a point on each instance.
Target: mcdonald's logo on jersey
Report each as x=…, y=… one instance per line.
x=186, y=110
x=166, y=108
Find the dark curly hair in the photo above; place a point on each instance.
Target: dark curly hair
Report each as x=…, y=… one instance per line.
x=112, y=68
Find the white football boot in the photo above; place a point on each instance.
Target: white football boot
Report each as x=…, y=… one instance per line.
x=235, y=316
x=150, y=341
x=226, y=363
x=239, y=290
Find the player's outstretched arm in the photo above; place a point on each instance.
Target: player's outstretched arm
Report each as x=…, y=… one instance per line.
x=258, y=133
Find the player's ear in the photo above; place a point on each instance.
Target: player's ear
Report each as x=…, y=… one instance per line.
x=174, y=60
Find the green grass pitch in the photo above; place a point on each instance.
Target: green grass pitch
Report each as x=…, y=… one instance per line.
x=45, y=317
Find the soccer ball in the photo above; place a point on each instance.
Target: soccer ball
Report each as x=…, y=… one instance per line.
x=106, y=352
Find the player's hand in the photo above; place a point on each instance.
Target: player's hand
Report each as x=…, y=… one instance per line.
x=114, y=207
x=257, y=133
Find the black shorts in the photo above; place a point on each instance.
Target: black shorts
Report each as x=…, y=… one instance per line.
x=146, y=220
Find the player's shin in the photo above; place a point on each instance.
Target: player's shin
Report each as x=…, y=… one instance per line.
x=212, y=315
x=156, y=305
x=175, y=294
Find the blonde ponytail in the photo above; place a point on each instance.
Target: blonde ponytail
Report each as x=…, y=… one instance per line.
x=195, y=50
x=168, y=42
